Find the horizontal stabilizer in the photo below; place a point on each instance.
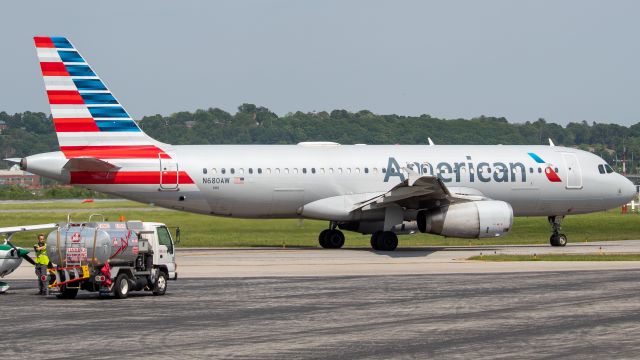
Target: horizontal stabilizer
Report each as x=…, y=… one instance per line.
x=89, y=164
x=13, y=160
x=21, y=228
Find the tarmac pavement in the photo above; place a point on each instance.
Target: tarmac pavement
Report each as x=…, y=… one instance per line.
x=544, y=315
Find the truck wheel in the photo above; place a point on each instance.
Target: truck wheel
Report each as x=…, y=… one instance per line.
x=67, y=293
x=121, y=286
x=160, y=287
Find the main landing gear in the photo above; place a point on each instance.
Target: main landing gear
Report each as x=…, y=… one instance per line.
x=556, y=238
x=331, y=238
x=384, y=240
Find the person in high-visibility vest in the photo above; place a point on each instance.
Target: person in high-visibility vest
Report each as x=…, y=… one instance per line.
x=42, y=261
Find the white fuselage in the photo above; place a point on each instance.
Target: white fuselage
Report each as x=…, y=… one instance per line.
x=276, y=181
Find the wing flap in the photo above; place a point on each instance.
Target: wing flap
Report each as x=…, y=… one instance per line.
x=419, y=192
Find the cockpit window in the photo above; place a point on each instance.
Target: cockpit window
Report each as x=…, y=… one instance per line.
x=609, y=169
x=601, y=168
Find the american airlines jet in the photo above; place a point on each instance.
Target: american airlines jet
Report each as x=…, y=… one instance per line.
x=467, y=191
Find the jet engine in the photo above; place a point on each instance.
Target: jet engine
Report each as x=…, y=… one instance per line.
x=474, y=219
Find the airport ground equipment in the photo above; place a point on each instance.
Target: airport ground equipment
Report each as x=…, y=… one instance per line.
x=111, y=257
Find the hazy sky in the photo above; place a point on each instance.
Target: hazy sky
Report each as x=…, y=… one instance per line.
x=561, y=60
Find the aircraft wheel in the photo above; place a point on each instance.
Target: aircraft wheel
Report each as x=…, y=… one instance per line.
x=322, y=238
x=334, y=239
x=558, y=240
x=387, y=241
x=562, y=240
x=374, y=240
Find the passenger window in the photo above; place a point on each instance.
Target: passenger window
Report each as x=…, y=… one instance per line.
x=232, y=170
x=384, y=170
x=348, y=170
x=286, y=170
x=214, y=171
x=531, y=170
x=313, y=170
x=223, y=171
x=366, y=170
x=295, y=170
x=330, y=170
x=375, y=170
x=277, y=171
x=250, y=170
x=539, y=170
x=304, y=170
x=204, y=170
x=259, y=170
x=241, y=171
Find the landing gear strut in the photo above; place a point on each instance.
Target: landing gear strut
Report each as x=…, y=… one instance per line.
x=556, y=238
x=331, y=238
x=384, y=240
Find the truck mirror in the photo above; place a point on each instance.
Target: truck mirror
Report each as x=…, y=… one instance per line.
x=178, y=235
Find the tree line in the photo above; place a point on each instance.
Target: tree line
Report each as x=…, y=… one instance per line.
x=30, y=132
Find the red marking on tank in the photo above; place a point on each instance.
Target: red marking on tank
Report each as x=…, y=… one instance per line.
x=124, y=243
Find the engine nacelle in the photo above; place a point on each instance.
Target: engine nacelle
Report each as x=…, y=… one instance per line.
x=474, y=219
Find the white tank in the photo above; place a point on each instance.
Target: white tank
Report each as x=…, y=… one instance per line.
x=93, y=243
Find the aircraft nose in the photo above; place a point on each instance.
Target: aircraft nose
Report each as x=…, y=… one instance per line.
x=627, y=189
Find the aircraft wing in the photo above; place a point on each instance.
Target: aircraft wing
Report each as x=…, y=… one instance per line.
x=420, y=192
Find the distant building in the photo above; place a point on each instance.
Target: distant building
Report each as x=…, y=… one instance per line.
x=3, y=126
x=15, y=176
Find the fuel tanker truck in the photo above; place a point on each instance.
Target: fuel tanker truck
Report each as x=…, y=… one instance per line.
x=111, y=257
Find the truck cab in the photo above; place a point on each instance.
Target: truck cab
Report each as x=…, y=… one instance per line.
x=162, y=245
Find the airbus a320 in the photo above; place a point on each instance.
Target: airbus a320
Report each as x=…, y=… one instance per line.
x=467, y=191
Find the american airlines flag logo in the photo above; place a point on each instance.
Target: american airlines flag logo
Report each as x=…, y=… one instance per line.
x=238, y=180
x=548, y=171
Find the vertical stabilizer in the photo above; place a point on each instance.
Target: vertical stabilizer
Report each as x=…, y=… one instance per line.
x=88, y=119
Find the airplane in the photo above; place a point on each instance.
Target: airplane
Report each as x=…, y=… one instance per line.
x=466, y=191
x=11, y=256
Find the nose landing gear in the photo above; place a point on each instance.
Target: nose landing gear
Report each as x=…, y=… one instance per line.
x=556, y=238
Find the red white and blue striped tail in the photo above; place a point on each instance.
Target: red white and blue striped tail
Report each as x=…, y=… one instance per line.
x=88, y=119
